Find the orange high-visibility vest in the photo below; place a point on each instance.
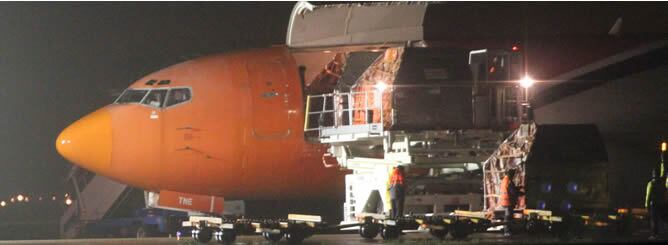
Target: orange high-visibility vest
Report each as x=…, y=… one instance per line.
x=504, y=199
x=396, y=178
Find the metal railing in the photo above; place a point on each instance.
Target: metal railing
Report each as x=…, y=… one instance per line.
x=94, y=196
x=339, y=113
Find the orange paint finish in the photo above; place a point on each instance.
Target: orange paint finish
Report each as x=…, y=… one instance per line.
x=187, y=201
x=136, y=145
x=239, y=137
x=91, y=134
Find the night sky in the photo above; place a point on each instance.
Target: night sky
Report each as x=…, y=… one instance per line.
x=60, y=61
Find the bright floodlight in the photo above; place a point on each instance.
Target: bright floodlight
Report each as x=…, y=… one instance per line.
x=19, y=198
x=68, y=201
x=3, y=203
x=526, y=82
x=381, y=86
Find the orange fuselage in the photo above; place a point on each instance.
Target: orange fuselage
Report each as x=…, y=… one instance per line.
x=239, y=136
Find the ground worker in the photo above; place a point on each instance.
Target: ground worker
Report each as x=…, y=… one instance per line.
x=509, y=193
x=664, y=148
x=656, y=190
x=655, y=196
x=397, y=190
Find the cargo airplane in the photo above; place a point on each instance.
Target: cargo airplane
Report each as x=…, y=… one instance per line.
x=232, y=125
x=222, y=126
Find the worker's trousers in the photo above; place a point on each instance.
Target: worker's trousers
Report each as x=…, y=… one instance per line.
x=508, y=219
x=397, y=206
x=654, y=219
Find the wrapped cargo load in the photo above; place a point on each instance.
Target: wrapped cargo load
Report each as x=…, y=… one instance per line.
x=369, y=92
x=562, y=168
x=416, y=89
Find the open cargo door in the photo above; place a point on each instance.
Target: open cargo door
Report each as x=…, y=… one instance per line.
x=354, y=24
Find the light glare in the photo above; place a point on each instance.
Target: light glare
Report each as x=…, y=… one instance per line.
x=381, y=86
x=527, y=82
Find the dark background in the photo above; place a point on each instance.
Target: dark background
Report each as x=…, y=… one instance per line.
x=60, y=61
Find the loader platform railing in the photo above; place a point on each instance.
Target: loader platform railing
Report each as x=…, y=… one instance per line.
x=348, y=115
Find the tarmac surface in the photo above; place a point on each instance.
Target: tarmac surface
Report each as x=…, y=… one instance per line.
x=411, y=238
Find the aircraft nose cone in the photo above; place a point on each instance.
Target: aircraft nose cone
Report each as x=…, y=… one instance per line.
x=87, y=142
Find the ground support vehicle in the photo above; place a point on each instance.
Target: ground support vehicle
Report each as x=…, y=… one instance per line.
x=559, y=198
x=146, y=222
x=460, y=224
x=294, y=229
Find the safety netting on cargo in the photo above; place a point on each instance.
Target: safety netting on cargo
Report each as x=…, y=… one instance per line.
x=511, y=154
x=380, y=74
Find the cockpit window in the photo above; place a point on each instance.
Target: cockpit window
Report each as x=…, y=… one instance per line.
x=178, y=96
x=131, y=96
x=155, y=98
